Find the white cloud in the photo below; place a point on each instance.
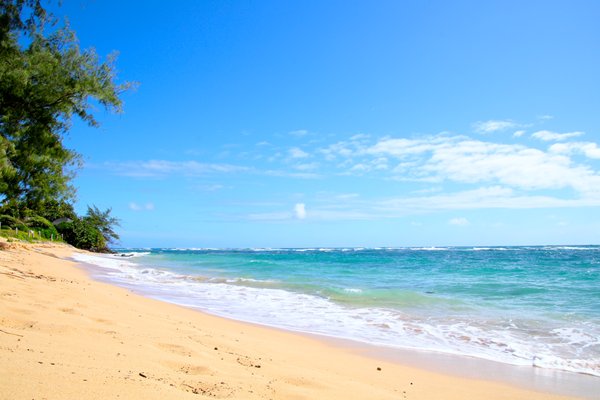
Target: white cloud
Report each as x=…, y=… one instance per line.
x=591, y=150
x=480, y=198
x=141, y=207
x=306, y=166
x=549, y=136
x=300, y=210
x=164, y=168
x=463, y=160
x=519, y=133
x=287, y=174
x=403, y=148
x=493, y=126
x=270, y=217
x=296, y=152
x=356, y=145
x=545, y=117
x=211, y=188
x=360, y=168
x=299, y=133
x=460, y=221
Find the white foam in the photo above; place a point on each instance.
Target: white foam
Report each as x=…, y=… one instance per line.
x=133, y=254
x=571, y=248
x=352, y=290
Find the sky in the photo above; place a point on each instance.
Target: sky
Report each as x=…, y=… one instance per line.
x=345, y=123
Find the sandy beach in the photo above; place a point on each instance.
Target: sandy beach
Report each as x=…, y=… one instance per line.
x=66, y=336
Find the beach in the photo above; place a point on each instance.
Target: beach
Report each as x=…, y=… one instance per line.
x=64, y=335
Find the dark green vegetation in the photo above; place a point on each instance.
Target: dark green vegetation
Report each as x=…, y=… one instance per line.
x=45, y=79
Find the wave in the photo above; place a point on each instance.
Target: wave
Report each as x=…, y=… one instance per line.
x=132, y=254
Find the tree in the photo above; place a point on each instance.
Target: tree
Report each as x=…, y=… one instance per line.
x=83, y=235
x=92, y=232
x=44, y=81
x=104, y=222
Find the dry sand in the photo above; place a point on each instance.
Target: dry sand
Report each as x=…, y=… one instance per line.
x=65, y=336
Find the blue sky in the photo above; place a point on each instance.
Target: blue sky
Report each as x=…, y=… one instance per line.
x=346, y=123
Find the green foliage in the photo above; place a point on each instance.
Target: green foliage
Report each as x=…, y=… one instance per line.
x=53, y=210
x=92, y=232
x=38, y=222
x=8, y=221
x=83, y=235
x=44, y=81
x=12, y=16
x=42, y=226
x=104, y=222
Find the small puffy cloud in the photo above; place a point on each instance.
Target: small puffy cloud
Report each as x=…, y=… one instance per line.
x=549, y=136
x=296, y=152
x=141, y=207
x=460, y=221
x=493, y=126
x=519, y=133
x=300, y=211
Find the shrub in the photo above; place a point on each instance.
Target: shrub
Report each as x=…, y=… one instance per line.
x=43, y=226
x=82, y=234
x=12, y=222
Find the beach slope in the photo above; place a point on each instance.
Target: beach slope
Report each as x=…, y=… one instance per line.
x=65, y=336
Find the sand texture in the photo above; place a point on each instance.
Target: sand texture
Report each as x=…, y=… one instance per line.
x=65, y=336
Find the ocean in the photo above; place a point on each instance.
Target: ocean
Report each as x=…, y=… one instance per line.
x=536, y=306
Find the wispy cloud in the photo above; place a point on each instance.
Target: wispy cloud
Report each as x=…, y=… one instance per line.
x=141, y=207
x=306, y=166
x=494, y=197
x=494, y=126
x=291, y=174
x=459, y=221
x=296, y=152
x=211, y=188
x=164, y=168
x=299, y=133
x=545, y=117
x=549, y=136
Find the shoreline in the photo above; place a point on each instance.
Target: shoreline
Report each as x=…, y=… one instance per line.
x=135, y=346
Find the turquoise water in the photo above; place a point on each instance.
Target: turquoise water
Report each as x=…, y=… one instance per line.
x=519, y=305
